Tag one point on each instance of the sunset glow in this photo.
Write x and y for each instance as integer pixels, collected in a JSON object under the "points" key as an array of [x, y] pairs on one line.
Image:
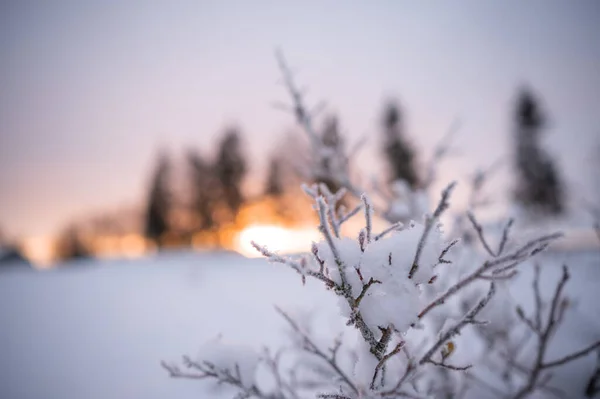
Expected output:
{"points": [[40, 250], [276, 238]]}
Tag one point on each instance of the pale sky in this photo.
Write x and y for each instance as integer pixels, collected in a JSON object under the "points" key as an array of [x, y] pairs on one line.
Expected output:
{"points": [[91, 90]]}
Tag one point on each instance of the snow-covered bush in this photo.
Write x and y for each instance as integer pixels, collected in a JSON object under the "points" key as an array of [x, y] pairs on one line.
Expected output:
{"points": [[414, 300]]}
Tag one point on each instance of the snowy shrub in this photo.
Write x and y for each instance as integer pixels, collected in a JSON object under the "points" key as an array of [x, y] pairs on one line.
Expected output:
{"points": [[415, 302]]}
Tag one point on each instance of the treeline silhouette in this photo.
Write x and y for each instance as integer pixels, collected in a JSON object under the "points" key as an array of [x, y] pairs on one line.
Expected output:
{"points": [[214, 196]]}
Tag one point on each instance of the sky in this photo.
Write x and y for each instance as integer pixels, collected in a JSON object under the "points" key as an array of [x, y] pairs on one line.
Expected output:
{"points": [[91, 91]]}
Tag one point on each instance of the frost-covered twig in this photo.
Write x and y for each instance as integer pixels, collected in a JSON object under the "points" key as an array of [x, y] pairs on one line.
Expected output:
{"points": [[305, 120], [441, 258], [324, 228], [382, 282], [450, 366], [545, 332], [368, 217], [378, 347], [480, 234], [430, 222], [299, 266], [364, 290], [207, 370], [504, 239], [311, 347], [394, 227], [593, 385], [384, 359], [476, 184], [284, 388], [454, 330], [334, 199], [479, 229], [572, 356], [512, 259], [410, 366]]}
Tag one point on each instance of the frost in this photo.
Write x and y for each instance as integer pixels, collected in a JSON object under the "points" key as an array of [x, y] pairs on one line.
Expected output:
{"points": [[415, 308], [391, 303], [226, 356], [393, 256], [393, 299], [350, 256]]}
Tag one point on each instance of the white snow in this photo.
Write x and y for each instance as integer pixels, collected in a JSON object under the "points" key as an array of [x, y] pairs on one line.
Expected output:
{"points": [[100, 329], [393, 299]]}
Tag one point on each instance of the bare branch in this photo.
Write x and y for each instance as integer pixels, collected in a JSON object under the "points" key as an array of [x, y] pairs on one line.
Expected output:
{"points": [[504, 239], [325, 230], [207, 370], [350, 214], [468, 319], [368, 216], [538, 298], [398, 226], [544, 335], [298, 267], [527, 321], [513, 258], [441, 258], [332, 200], [364, 290], [311, 347], [449, 366], [304, 119], [572, 356], [429, 224], [593, 385], [479, 231], [498, 277], [384, 359]]}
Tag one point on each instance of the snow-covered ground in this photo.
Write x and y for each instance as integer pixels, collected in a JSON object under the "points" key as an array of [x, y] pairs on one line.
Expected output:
{"points": [[100, 329]]}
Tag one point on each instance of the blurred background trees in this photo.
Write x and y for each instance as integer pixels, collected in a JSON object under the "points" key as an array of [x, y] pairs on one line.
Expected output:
{"points": [[212, 205], [230, 169], [204, 187], [71, 245], [398, 152], [159, 201], [275, 185], [539, 188]]}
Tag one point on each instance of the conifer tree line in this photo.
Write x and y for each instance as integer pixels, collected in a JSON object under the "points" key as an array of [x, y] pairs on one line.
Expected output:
{"points": [[538, 185], [216, 185]]}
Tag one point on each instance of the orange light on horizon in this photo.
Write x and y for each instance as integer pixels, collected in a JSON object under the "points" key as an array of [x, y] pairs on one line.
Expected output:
{"points": [[276, 238], [129, 245], [40, 250]]}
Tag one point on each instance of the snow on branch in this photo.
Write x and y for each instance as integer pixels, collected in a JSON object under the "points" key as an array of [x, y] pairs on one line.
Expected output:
{"points": [[387, 284], [380, 288]]}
